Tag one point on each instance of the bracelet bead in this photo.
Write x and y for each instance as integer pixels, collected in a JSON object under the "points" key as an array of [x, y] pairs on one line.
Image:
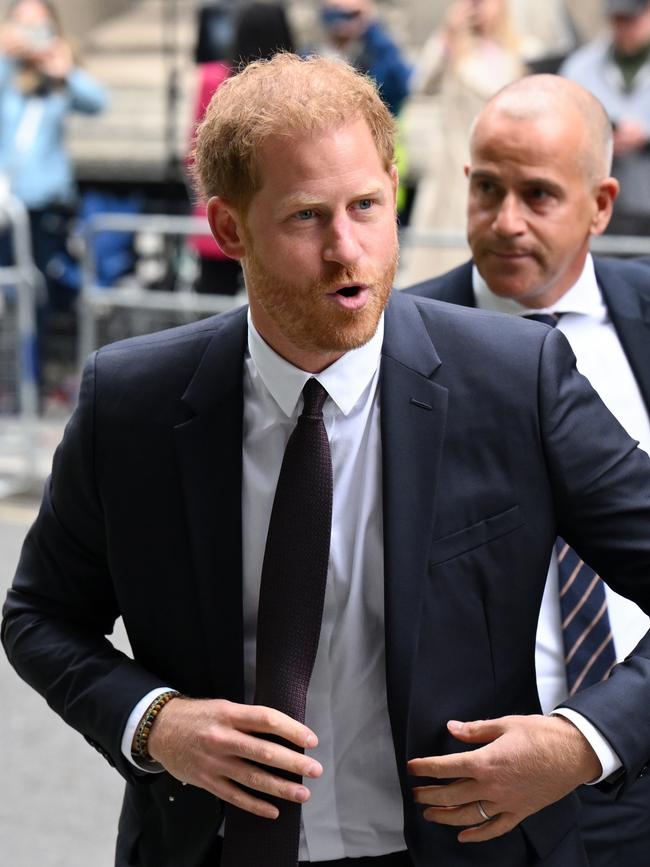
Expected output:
{"points": [[140, 748]]}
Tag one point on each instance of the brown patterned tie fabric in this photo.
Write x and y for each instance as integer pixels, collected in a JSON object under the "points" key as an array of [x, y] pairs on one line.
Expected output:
{"points": [[292, 592]]}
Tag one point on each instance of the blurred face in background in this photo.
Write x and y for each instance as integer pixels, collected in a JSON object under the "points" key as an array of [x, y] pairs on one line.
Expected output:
{"points": [[344, 20], [34, 23], [631, 33], [487, 15]]}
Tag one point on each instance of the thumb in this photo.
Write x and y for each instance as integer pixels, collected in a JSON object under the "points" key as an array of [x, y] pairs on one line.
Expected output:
{"points": [[476, 731]]}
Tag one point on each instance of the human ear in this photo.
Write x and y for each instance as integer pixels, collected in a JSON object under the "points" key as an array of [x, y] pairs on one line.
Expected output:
{"points": [[226, 226], [604, 197]]}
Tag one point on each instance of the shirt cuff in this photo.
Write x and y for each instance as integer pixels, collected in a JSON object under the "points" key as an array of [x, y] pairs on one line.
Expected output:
{"points": [[132, 724], [608, 759]]}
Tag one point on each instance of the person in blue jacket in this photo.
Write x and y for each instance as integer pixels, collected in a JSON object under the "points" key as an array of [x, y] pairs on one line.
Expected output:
{"points": [[354, 32], [40, 84]]}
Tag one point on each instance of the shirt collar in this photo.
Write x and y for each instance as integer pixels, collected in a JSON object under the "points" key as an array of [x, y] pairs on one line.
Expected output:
{"points": [[345, 380], [583, 297]]}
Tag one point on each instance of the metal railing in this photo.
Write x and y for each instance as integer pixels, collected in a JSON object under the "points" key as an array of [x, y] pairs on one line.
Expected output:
{"points": [[145, 309], [604, 245], [19, 285]]}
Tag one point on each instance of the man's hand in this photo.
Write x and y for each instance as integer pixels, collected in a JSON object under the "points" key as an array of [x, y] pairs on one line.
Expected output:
{"points": [[57, 59], [214, 744], [528, 763]]}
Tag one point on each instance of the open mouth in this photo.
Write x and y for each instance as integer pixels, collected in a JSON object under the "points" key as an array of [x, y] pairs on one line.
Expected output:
{"points": [[352, 297]]}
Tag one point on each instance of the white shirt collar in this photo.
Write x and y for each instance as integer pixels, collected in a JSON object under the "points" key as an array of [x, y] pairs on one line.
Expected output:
{"points": [[345, 380], [584, 297]]}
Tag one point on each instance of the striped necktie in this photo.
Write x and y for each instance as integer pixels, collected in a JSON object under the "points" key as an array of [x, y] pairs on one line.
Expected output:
{"points": [[589, 653], [588, 644]]}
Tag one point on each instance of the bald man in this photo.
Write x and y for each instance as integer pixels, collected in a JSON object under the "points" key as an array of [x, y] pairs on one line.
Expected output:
{"points": [[539, 188]]}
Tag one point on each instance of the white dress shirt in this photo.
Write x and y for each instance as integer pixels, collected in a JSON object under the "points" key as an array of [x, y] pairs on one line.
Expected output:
{"points": [[355, 808], [600, 357]]}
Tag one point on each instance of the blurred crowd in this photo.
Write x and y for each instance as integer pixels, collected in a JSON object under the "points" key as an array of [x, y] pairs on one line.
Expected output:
{"points": [[434, 89]]}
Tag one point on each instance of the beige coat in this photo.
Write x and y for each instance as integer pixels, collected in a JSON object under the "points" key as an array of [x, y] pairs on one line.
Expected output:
{"points": [[447, 98]]}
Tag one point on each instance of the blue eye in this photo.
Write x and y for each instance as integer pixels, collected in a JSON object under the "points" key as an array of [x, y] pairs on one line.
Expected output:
{"points": [[365, 204], [307, 214]]}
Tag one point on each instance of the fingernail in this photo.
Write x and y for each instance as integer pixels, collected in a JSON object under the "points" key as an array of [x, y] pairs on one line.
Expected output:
{"points": [[311, 741], [302, 794], [454, 726], [313, 770], [272, 813]]}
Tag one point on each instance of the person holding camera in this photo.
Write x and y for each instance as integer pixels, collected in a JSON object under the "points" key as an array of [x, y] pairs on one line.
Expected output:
{"points": [[353, 32], [40, 84]]}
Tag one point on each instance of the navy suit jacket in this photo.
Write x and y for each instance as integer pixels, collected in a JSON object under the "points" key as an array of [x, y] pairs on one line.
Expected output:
{"points": [[492, 443], [616, 831]]}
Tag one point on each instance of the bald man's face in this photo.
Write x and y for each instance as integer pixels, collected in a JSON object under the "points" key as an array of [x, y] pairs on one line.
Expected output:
{"points": [[531, 206]]}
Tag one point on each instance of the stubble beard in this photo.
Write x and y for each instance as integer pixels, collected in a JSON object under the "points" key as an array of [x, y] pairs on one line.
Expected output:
{"points": [[306, 318]]}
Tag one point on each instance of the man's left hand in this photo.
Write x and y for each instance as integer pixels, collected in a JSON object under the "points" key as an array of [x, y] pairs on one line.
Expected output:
{"points": [[528, 763]]}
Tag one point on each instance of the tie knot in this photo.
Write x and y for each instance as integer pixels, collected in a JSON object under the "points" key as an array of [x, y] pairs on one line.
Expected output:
{"points": [[314, 396], [551, 319]]}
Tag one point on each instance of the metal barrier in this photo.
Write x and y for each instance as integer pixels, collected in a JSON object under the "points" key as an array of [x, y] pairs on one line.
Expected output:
{"points": [[602, 245], [108, 314], [18, 377]]}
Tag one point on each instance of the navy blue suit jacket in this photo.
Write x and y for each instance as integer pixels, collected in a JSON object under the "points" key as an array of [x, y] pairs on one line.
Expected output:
{"points": [[615, 827], [492, 443]]}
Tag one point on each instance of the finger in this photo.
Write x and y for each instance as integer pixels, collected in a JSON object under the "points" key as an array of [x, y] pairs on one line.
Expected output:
{"points": [[477, 731], [267, 720], [447, 796], [260, 780], [452, 766], [466, 815], [276, 756], [500, 824], [232, 794]]}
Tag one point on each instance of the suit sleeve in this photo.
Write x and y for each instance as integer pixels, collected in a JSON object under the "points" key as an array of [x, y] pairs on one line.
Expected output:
{"points": [[62, 605], [601, 483]]}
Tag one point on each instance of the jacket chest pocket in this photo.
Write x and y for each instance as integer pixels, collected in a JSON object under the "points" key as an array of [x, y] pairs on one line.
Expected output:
{"points": [[472, 537]]}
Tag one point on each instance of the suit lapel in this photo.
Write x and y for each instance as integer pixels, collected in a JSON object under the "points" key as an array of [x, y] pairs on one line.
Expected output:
{"points": [[629, 308], [209, 447], [413, 414], [460, 289]]}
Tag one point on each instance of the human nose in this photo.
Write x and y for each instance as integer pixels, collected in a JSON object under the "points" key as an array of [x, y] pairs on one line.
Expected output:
{"points": [[341, 243], [508, 220]]}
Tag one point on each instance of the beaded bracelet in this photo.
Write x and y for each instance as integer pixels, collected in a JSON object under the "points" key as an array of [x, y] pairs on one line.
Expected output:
{"points": [[140, 739]]}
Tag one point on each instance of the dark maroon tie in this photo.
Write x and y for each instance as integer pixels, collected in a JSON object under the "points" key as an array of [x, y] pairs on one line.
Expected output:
{"points": [[292, 592]]}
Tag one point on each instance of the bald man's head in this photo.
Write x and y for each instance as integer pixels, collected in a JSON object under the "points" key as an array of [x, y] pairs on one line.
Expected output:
{"points": [[535, 98], [539, 187]]}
